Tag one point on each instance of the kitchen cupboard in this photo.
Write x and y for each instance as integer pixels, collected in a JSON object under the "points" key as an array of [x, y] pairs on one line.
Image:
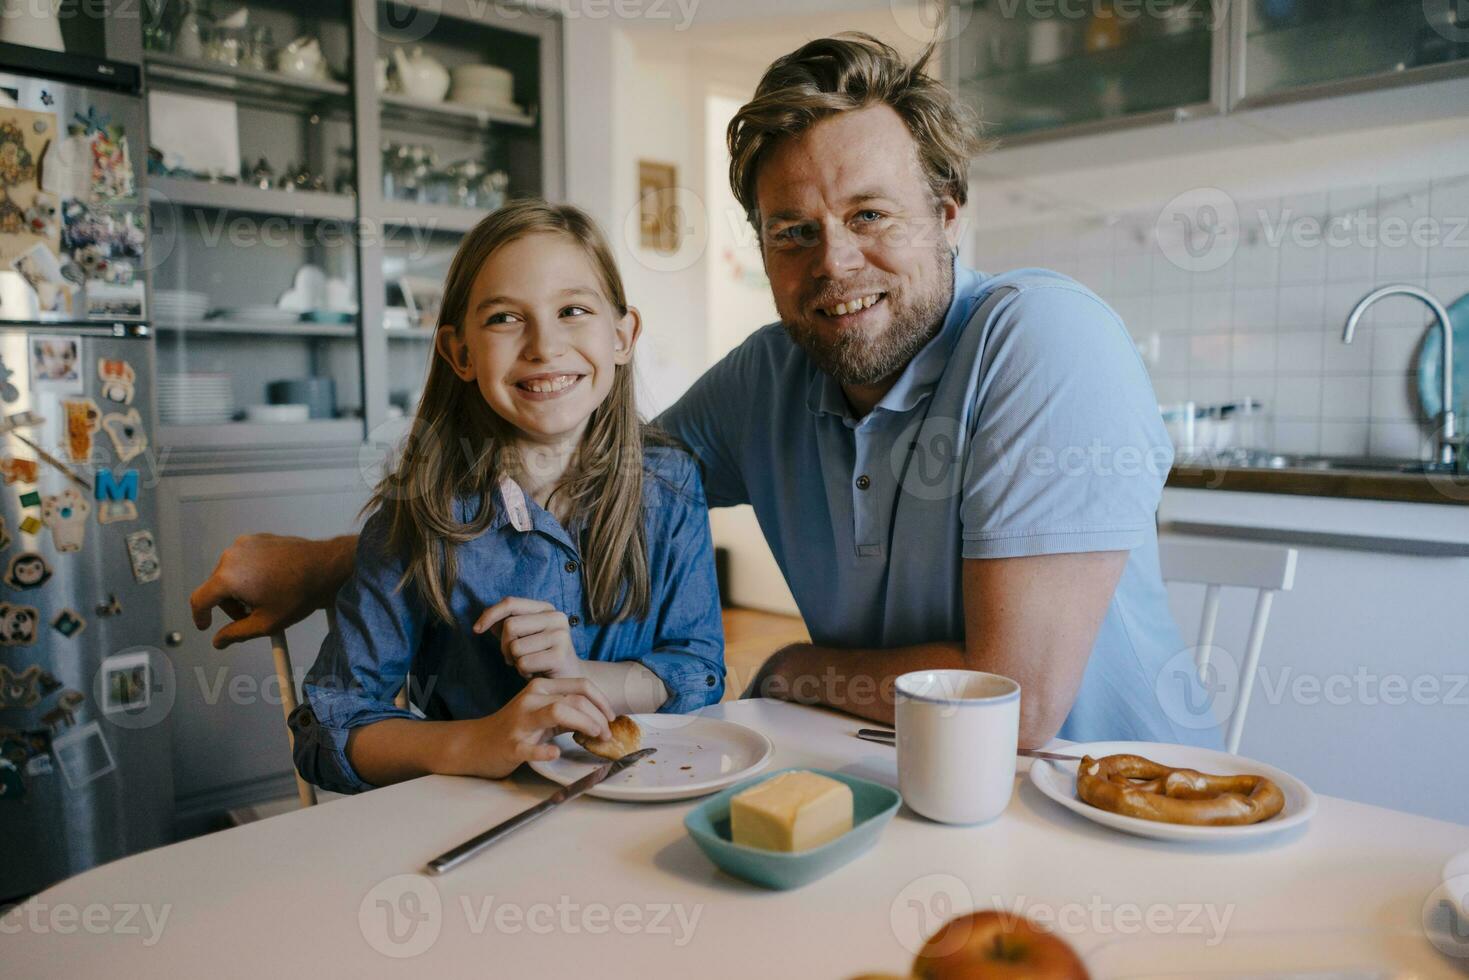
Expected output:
{"points": [[1043, 72]]}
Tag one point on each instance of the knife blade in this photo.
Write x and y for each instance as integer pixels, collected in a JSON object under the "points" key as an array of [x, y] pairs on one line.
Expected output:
{"points": [[451, 859]]}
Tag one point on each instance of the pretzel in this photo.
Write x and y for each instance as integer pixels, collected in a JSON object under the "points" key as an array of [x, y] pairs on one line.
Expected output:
{"points": [[1138, 787]]}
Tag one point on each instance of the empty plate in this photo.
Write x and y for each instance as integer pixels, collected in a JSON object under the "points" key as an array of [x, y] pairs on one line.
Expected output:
{"points": [[695, 756]]}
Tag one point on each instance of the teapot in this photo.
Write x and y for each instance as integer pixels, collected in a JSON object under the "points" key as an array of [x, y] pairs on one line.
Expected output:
{"points": [[421, 75], [301, 59]]}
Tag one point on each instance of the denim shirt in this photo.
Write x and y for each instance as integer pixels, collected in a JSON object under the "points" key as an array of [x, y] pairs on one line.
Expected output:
{"points": [[383, 632]]}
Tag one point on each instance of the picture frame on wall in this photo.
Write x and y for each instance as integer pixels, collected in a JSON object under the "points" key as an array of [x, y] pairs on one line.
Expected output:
{"points": [[657, 205]]}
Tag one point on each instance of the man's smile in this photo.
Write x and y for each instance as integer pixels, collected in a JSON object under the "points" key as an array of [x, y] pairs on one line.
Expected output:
{"points": [[847, 310]]}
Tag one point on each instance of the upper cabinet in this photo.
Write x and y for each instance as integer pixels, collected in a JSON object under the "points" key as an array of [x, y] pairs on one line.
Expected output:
{"points": [[1077, 67], [1046, 71], [1291, 49]]}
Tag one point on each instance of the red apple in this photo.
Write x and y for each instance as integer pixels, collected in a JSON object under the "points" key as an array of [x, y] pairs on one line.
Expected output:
{"points": [[993, 945]]}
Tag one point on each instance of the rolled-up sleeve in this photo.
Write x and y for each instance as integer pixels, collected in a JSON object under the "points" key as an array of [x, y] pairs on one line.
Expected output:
{"points": [[362, 665], [688, 640], [1070, 453]]}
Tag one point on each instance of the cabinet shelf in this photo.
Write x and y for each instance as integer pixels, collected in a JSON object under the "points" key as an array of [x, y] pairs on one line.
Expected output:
{"points": [[409, 334], [402, 112], [304, 328], [244, 197], [434, 217], [187, 74]]}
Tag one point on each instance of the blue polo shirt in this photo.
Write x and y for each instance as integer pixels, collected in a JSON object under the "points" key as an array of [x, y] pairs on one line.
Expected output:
{"points": [[1026, 426]]}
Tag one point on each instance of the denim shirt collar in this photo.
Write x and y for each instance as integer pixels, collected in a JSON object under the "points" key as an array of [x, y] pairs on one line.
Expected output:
{"points": [[918, 378], [522, 514]]}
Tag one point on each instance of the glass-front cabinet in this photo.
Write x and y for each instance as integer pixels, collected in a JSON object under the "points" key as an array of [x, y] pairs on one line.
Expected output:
{"points": [[1056, 69], [311, 169], [1300, 48], [1036, 68]]}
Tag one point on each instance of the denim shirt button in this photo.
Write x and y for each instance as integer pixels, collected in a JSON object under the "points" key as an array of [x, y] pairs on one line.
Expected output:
{"points": [[571, 567], [708, 680], [573, 620]]}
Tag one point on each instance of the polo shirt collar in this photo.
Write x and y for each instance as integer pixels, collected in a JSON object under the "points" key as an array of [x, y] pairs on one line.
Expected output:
{"points": [[917, 380]]}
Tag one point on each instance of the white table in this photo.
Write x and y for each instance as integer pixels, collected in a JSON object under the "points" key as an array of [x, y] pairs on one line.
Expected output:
{"points": [[597, 888]]}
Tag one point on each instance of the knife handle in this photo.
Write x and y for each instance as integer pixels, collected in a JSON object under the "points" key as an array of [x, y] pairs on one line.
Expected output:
{"points": [[451, 859]]}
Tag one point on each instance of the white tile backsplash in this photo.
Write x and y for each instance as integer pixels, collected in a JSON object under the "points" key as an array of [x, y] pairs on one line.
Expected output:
{"points": [[1346, 398], [1267, 324]]}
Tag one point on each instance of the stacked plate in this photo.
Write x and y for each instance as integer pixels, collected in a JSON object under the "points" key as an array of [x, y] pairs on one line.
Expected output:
{"points": [[195, 399], [261, 313], [178, 305]]}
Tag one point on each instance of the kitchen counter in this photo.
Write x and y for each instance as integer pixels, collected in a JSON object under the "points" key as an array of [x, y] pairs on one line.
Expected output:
{"points": [[1386, 484]]}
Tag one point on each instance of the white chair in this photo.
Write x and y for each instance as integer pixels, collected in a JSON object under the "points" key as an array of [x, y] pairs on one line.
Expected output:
{"points": [[1217, 564]]}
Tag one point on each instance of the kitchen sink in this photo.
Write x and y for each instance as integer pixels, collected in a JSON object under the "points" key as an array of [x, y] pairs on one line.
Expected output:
{"points": [[1346, 464]]}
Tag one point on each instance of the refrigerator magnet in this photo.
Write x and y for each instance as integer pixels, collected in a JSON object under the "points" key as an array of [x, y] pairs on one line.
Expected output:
{"points": [[116, 487], [110, 606], [18, 629], [69, 623], [31, 498], [143, 554], [39, 765], [31, 524], [64, 714], [65, 513], [18, 469], [49, 683], [82, 421], [4, 534], [56, 363], [12, 786], [83, 755], [22, 690], [117, 379], [125, 429], [127, 682], [27, 570], [9, 393], [114, 511], [21, 420]]}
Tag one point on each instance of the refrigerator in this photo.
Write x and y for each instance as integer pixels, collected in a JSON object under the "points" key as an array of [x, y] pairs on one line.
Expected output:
{"points": [[85, 695]]}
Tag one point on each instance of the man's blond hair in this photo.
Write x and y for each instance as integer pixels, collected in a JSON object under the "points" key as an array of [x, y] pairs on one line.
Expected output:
{"points": [[846, 72]]}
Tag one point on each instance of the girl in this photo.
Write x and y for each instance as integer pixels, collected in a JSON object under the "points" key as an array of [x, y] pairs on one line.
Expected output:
{"points": [[540, 561]]}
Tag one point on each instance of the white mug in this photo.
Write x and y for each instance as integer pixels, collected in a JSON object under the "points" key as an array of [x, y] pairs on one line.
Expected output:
{"points": [[957, 735]]}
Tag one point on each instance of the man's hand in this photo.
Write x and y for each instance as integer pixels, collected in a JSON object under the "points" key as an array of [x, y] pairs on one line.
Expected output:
{"points": [[534, 636], [266, 582]]}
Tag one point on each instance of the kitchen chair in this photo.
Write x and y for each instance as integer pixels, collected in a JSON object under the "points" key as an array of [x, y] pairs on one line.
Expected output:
{"points": [[284, 673], [1217, 564]]}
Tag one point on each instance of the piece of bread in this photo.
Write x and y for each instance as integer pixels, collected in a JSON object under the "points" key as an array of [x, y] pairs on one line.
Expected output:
{"points": [[626, 737]]}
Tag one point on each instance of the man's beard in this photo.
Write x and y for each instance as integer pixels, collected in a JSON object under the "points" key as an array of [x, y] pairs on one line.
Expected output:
{"points": [[853, 358]]}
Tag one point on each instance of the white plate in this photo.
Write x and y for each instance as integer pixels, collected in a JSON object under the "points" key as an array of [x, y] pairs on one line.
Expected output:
{"points": [[1058, 781], [695, 757]]}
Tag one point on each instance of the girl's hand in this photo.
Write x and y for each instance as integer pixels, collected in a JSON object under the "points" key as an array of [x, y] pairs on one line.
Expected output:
{"points": [[521, 731], [535, 637]]}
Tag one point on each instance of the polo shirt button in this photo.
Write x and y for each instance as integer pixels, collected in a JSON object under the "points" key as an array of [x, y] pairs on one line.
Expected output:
{"points": [[571, 566], [573, 619], [863, 482]]}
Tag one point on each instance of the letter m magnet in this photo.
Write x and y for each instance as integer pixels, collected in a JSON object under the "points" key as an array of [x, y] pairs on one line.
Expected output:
{"points": [[111, 487]]}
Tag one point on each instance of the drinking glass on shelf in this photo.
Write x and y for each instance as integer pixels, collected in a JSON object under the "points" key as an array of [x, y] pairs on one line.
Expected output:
{"points": [[257, 50]]}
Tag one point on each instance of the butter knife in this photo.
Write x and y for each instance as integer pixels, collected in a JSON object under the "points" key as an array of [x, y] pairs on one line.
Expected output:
{"points": [[882, 737], [450, 860]]}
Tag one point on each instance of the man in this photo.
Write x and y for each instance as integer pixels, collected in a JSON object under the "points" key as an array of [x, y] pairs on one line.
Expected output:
{"points": [[952, 470]]}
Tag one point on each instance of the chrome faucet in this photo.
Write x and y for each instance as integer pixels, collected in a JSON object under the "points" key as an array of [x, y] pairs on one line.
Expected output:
{"points": [[1448, 429]]}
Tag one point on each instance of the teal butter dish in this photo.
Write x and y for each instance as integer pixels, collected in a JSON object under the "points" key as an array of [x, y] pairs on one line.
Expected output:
{"points": [[873, 805]]}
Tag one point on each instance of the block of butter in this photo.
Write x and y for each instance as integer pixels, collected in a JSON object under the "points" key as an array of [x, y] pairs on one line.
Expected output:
{"points": [[794, 811]]}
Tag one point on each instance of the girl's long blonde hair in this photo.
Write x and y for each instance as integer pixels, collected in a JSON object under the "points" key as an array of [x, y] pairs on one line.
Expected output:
{"points": [[458, 448]]}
